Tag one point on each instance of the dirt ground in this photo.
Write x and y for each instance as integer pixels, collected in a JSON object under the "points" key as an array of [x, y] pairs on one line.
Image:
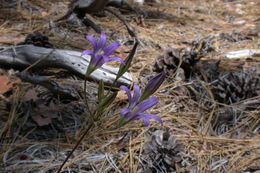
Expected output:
{"points": [[196, 135]]}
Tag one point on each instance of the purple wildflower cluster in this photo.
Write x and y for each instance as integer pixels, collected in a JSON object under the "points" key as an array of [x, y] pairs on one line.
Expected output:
{"points": [[101, 53], [139, 102]]}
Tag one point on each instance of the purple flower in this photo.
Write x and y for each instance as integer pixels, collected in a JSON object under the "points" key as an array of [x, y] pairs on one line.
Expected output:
{"points": [[101, 53], [135, 109], [153, 85]]}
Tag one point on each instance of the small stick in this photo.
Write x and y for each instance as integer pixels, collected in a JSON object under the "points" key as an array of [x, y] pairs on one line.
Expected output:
{"points": [[130, 29], [75, 147]]}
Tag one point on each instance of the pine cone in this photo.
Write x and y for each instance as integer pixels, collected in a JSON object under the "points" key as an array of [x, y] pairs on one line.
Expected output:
{"points": [[226, 118], [210, 70], [171, 60], [233, 87], [162, 152], [188, 57], [37, 39]]}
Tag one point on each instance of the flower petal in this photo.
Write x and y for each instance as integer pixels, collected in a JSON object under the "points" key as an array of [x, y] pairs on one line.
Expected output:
{"points": [[153, 85], [132, 116], [102, 59], [106, 58], [146, 122], [115, 58], [127, 114], [146, 117], [97, 61], [93, 41], [111, 48], [87, 52], [128, 93], [102, 42], [136, 96], [146, 104], [124, 112], [156, 82]]}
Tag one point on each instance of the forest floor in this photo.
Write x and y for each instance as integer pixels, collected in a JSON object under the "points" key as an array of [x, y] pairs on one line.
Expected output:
{"points": [[205, 129]]}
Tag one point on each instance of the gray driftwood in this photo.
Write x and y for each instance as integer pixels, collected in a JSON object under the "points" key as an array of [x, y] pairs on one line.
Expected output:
{"points": [[23, 56]]}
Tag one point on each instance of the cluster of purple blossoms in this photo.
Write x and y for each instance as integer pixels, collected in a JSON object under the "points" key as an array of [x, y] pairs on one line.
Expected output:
{"points": [[101, 53], [138, 102]]}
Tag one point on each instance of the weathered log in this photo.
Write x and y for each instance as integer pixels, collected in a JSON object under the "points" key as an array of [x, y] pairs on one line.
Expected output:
{"points": [[20, 57]]}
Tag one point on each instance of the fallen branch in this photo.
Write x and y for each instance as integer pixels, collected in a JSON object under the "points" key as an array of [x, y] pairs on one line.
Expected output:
{"points": [[23, 56], [55, 88]]}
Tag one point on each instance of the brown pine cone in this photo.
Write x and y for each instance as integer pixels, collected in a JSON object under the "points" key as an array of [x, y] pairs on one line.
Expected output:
{"points": [[37, 39], [233, 87], [162, 151], [183, 58]]}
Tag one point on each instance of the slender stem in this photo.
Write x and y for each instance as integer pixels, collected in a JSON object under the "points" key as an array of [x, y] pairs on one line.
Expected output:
{"points": [[85, 94], [130, 29], [75, 147], [85, 88], [110, 88]]}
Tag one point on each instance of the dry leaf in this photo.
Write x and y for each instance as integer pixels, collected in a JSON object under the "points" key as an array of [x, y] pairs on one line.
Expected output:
{"points": [[41, 121], [50, 111], [6, 84], [44, 114], [30, 95]]}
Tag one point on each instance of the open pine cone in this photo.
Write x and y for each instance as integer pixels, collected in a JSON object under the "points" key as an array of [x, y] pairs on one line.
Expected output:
{"points": [[171, 59], [162, 152], [185, 58], [233, 87], [37, 39]]}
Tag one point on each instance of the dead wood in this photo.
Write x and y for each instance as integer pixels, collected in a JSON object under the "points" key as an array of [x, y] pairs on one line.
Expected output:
{"points": [[56, 89], [20, 57]]}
